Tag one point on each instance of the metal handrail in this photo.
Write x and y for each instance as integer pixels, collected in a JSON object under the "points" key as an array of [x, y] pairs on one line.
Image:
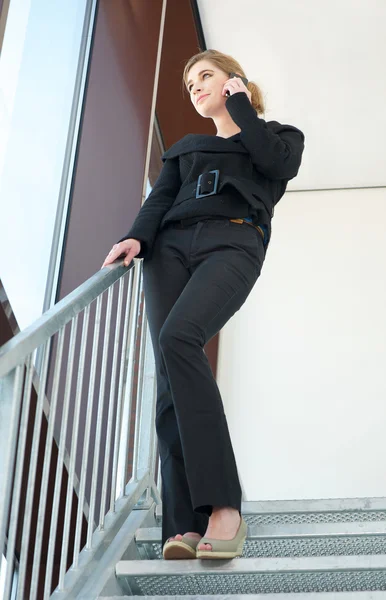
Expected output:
{"points": [[60, 314], [18, 378]]}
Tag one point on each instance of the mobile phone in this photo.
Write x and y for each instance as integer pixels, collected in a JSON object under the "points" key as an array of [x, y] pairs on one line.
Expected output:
{"points": [[243, 79]]}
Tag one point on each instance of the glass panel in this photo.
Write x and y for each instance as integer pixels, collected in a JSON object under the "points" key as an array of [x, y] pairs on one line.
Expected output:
{"points": [[38, 69]]}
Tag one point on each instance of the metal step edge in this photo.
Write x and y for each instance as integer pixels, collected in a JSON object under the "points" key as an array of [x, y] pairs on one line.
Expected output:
{"points": [[278, 596], [304, 506], [240, 566], [153, 535]]}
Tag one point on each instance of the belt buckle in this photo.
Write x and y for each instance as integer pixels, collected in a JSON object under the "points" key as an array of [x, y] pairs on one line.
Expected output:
{"points": [[217, 175]]}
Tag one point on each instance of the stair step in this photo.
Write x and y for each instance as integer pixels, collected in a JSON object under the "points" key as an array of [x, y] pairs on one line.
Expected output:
{"points": [[318, 539], [335, 510], [253, 575], [301, 596]]}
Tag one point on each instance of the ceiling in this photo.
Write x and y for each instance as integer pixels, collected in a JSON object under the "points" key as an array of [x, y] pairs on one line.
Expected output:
{"points": [[321, 67]]}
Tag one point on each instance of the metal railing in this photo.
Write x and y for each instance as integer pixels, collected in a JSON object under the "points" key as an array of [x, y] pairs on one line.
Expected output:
{"points": [[86, 418]]}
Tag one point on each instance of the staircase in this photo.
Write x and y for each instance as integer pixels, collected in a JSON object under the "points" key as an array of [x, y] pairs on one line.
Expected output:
{"points": [[105, 542], [310, 549]]}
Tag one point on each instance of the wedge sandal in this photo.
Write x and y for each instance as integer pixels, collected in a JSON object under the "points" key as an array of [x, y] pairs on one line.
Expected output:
{"points": [[180, 549], [224, 548]]}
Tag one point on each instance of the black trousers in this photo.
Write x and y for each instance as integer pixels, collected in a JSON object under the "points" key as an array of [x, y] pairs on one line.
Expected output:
{"points": [[195, 280]]}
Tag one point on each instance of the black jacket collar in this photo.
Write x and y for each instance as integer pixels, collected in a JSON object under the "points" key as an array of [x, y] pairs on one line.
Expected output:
{"points": [[200, 142], [194, 142]]}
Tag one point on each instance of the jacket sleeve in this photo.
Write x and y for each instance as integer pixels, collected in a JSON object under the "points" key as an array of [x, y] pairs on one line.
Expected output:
{"points": [[275, 155], [156, 205]]}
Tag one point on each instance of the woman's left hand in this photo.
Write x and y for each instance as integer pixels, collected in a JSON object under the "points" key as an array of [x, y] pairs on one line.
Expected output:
{"points": [[234, 85]]}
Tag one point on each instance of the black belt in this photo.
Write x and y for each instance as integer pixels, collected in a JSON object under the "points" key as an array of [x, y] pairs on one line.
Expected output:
{"points": [[182, 223]]}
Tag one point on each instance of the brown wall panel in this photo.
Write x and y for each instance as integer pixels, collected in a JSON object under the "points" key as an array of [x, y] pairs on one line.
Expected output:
{"points": [[109, 176], [175, 112]]}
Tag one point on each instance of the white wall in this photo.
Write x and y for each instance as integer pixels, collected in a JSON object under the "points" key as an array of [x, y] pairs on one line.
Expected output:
{"points": [[302, 364]]}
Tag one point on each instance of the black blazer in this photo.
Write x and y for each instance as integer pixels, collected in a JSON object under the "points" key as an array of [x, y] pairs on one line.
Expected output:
{"points": [[254, 166]]}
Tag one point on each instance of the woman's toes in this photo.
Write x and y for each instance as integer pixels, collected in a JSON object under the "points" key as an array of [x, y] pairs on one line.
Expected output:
{"points": [[176, 538], [205, 547]]}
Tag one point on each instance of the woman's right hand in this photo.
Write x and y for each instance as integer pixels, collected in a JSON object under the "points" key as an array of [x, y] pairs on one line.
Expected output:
{"points": [[128, 248]]}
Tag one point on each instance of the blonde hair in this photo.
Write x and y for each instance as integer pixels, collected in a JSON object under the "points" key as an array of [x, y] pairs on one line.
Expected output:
{"points": [[229, 65]]}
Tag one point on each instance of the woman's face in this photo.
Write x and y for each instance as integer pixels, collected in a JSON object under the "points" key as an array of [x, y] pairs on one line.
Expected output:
{"points": [[205, 79]]}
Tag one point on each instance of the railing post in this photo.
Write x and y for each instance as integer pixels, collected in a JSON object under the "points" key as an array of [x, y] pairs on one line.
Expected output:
{"points": [[144, 430], [10, 403], [124, 437]]}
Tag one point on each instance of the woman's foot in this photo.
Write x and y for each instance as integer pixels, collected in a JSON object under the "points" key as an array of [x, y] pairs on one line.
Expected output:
{"points": [[223, 525], [181, 547]]}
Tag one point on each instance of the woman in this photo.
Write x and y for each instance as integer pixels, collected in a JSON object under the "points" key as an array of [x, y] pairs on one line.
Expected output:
{"points": [[203, 233]]}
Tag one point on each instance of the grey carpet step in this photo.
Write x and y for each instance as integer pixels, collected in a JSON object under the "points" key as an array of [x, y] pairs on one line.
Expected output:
{"points": [[253, 576], [319, 539], [302, 596], [335, 510]]}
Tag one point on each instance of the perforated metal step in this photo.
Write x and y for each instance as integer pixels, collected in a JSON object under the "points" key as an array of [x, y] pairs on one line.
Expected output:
{"points": [[317, 596], [320, 539], [335, 510], [253, 576]]}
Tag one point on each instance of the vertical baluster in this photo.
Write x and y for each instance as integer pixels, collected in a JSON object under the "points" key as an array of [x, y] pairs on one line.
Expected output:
{"points": [[59, 466], [122, 373], [145, 427], [153, 440], [159, 479], [46, 471], [86, 441], [128, 384], [112, 404], [20, 459], [101, 403], [33, 463], [74, 443], [11, 387], [139, 416]]}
